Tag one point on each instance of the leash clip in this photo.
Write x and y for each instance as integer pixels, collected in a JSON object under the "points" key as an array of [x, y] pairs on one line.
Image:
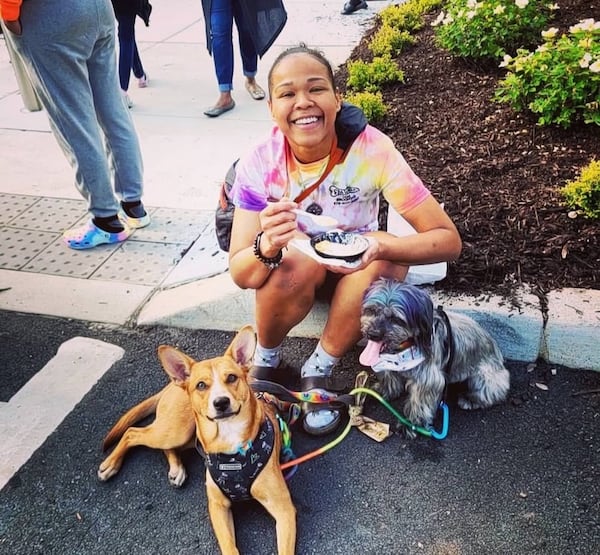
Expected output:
{"points": [[445, 418]]}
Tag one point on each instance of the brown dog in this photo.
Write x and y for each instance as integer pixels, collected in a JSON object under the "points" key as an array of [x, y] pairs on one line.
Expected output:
{"points": [[234, 428]]}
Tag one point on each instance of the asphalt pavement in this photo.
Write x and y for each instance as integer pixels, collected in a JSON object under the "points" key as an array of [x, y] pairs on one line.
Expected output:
{"points": [[522, 477], [79, 331]]}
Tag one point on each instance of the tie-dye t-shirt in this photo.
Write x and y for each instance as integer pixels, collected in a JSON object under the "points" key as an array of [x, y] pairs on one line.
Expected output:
{"points": [[350, 193]]}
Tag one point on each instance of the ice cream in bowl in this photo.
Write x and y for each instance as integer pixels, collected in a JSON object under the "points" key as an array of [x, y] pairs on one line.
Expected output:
{"points": [[338, 244]]}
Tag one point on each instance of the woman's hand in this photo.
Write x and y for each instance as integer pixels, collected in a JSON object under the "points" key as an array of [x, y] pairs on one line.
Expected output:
{"points": [[371, 254], [278, 223]]}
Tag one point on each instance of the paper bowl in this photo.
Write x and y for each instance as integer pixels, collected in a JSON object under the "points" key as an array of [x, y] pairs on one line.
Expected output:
{"points": [[340, 244]]}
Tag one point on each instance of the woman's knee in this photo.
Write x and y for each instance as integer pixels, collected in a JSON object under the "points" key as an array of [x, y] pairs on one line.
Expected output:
{"points": [[385, 268], [356, 283], [295, 274], [296, 277]]}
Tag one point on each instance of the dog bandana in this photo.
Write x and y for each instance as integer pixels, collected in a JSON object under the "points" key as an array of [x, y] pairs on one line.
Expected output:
{"points": [[396, 362], [235, 473]]}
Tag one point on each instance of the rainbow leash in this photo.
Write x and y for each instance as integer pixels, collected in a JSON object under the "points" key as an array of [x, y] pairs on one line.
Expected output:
{"points": [[283, 399]]}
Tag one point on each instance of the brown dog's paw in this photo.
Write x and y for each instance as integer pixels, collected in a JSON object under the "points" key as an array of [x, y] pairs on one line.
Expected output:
{"points": [[107, 471], [177, 477]]}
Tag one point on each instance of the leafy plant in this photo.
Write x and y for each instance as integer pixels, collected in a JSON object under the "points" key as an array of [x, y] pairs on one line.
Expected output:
{"points": [[404, 17], [398, 22], [491, 28], [370, 103], [369, 76], [408, 15], [390, 41], [560, 81], [584, 193]]}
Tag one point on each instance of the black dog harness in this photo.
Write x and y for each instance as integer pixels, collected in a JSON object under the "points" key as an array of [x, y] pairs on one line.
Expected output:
{"points": [[450, 341], [235, 473]]}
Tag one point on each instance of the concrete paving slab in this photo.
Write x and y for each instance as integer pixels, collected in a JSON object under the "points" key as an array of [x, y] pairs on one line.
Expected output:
{"points": [[516, 324], [66, 297], [17, 117], [204, 259], [572, 333]]}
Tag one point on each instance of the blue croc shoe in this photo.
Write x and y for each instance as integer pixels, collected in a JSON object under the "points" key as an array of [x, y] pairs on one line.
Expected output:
{"points": [[90, 236], [134, 215]]}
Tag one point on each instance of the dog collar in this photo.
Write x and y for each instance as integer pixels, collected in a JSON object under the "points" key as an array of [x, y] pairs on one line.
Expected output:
{"points": [[235, 473], [399, 362]]}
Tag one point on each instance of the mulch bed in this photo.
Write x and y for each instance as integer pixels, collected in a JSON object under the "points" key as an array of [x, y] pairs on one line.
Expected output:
{"points": [[496, 171]]}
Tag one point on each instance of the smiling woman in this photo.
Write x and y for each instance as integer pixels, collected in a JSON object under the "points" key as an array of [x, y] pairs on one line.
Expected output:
{"points": [[319, 138]]}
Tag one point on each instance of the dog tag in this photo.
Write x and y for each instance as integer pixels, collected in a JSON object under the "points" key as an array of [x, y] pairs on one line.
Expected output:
{"points": [[231, 467]]}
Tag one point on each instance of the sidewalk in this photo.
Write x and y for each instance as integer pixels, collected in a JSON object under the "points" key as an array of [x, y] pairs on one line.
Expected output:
{"points": [[173, 273]]}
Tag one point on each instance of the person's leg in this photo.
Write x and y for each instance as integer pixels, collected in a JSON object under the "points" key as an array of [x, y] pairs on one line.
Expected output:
{"points": [[287, 297], [60, 75], [345, 308], [248, 53], [341, 333], [284, 301], [121, 138], [221, 25], [136, 65], [126, 33], [138, 68]]}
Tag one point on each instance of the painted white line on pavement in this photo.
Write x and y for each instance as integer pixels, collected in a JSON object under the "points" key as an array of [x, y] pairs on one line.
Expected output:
{"points": [[36, 410]]}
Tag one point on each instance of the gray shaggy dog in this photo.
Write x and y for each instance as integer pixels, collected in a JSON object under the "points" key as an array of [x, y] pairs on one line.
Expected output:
{"points": [[412, 346]]}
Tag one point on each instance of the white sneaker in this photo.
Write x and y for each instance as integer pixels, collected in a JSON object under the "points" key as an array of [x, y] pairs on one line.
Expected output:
{"points": [[128, 102], [143, 81]]}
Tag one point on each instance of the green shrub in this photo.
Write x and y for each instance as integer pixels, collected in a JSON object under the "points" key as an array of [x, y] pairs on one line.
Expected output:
{"points": [[369, 76], [584, 193], [408, 15], [404, 17], [370, 103], [560, 81], [390, 41], [491, 28]]}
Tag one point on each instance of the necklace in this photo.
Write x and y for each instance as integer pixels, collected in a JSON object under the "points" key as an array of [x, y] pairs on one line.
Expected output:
{"points": [[309, 173]]}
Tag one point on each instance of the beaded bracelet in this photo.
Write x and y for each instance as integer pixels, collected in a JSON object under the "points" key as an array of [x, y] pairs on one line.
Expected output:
{"points": [[270, 263]]}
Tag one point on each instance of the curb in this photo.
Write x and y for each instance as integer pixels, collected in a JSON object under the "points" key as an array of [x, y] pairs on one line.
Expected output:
{"points": [[565, 333]]}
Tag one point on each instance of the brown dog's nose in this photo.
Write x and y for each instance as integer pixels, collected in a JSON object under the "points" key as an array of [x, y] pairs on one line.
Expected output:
{"points": [[221, 403]]}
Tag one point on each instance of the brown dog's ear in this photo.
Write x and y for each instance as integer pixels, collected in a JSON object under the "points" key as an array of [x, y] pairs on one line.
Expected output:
{"points": [[242, 347], [176, 364]]}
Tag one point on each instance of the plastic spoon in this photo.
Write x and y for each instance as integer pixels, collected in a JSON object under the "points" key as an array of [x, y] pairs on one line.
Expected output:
{"points": [[315, 223]]}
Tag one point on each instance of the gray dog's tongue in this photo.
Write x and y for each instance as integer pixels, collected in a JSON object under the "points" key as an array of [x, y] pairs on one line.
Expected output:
{"points": [[370, 354]]}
